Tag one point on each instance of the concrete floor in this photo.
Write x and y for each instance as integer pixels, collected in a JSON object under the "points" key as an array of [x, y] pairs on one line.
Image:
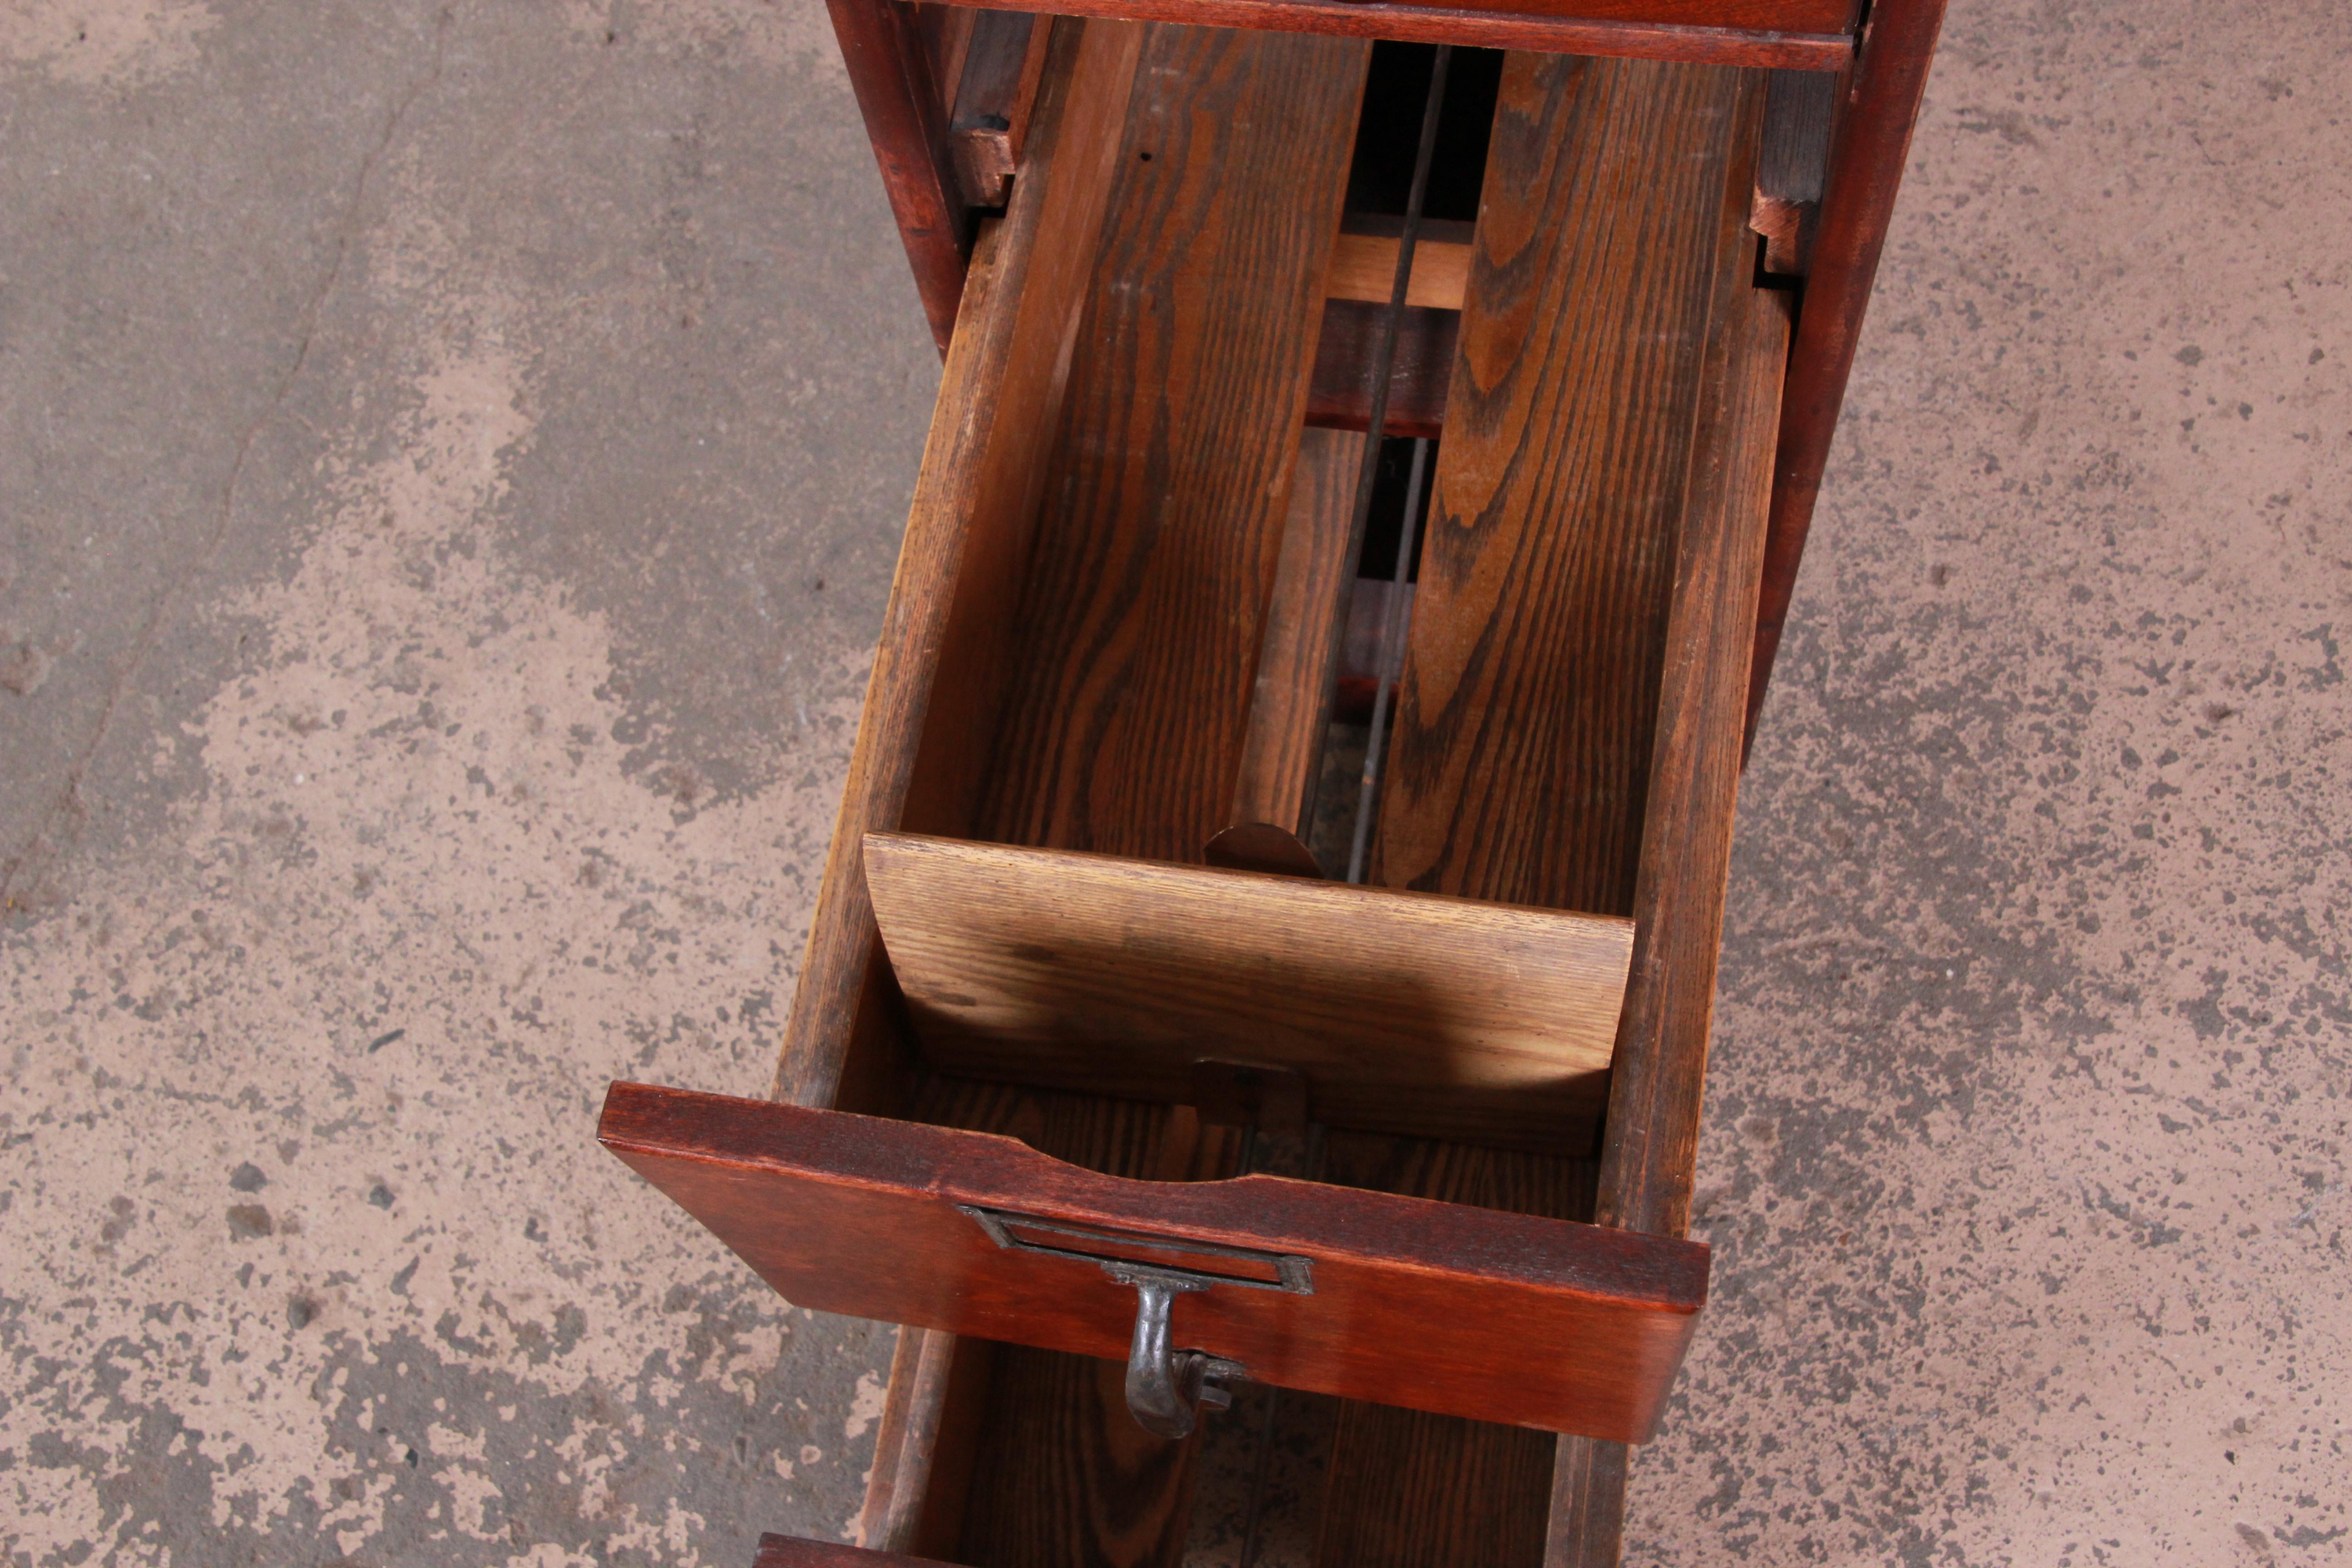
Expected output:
{"points": [[451, 458]]}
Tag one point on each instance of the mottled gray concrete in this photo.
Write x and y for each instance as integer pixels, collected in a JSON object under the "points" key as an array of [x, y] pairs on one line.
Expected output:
{"points": [[2027, 1129], [450, 461], [451, 466]]}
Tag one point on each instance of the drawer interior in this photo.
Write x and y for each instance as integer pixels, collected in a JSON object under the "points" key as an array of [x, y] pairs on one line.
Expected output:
{"points": [[1119, 649]]}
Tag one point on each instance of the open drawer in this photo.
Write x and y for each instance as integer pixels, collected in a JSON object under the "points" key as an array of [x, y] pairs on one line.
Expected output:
{"points": [[1501, 1317], [1111, 654]]}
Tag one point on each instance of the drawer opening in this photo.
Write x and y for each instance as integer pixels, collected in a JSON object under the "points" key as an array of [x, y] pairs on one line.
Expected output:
{"points": [[1120, 629]]}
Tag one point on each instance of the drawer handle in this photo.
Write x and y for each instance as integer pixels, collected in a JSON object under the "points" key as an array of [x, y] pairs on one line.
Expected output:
{"points": [[1165, 1388]]}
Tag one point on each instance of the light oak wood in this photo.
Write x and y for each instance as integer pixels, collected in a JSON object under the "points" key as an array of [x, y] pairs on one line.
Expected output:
{"points": [[944, 633], [1408, 1013], [1364, 267]]}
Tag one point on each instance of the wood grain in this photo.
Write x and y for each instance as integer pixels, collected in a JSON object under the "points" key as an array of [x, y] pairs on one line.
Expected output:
{"points": [[905, 1439], [1800, 110], [1282, 752], [1100, 1506], [1649, 1155], [1364, 267], [1586, 1527], [924, 1442], [1340, 397], [1521, 757], [1405, 1012], [1630, 29], [1548, 1323], [1054, 1469], [1449, 1490], [1652, 1149], [1578, 393], [945, 34], [1420, 1492], [1068, 1477], [1163, 518], [967, 531]]}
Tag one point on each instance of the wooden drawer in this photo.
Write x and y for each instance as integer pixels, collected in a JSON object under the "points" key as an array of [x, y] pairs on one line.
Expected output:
{"points": [[1501, 1317], [1111, 644]]}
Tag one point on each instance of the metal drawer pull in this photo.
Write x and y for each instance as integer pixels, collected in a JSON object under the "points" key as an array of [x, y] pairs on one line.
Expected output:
{"points": [[1165, 1388]]}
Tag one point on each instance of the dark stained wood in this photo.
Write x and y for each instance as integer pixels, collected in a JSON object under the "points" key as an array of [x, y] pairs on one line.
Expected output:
{"points": [[945, 34], [794, 1552], [1551, 1186], [945, 632], [1415, 1490], [1339, 395], [1052, 1462], [923, 1445], [1002, 69], [1075, 1480], [1581, 383], [1586, 1527], [1795, 35], [1800, 109], [1162, 520], [890, 73], [1262, 846], [1453, 1491], [1522, 743], [1549, 1323], [1588, 1480], [1873, 139], [1406, 1012], [1282, 752], [1097, 1511]]}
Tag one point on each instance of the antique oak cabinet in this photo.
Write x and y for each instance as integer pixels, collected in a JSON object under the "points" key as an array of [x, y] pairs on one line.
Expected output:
{"points": [[1267, 946]]}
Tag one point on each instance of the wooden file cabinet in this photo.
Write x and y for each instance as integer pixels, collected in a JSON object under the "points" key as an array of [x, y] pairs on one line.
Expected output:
{"points": [[1010, 1081]]}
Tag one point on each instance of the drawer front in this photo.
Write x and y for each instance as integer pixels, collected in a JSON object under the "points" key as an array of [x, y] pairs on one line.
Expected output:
{"points": [[1455, 1311]]}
